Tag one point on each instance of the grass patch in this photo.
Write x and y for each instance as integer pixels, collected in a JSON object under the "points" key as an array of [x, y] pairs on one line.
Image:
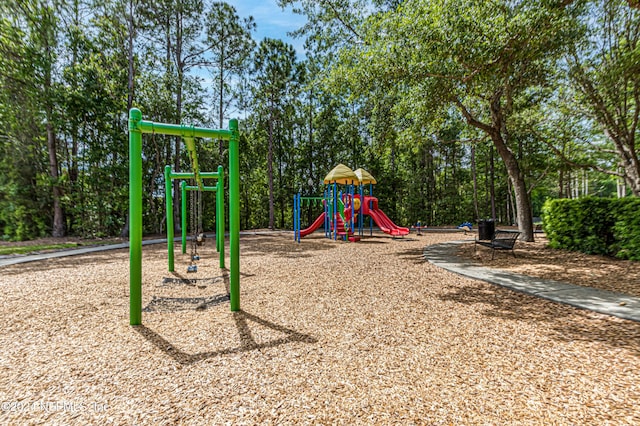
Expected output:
{"points": [[31, 249]]}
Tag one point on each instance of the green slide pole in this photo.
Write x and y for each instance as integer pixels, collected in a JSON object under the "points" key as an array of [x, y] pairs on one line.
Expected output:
{"points": [[234, 214], [183, 190], [169, 202], [220, 216], [135, 218]]}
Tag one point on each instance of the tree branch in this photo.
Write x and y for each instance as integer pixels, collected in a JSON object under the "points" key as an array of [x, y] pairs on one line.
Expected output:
{"points": [[472, 120], [538, 181], [578, 165], [342, 21]]}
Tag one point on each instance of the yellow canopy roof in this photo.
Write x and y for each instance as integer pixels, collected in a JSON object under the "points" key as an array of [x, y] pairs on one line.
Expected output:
{"points": [[342, 175], [365, 177]]}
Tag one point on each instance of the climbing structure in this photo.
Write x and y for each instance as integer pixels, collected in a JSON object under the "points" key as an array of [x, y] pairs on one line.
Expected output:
{"points": [[344, 209]]}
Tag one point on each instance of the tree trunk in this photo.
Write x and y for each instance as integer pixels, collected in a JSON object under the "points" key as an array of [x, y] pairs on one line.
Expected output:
{"points": [[523, 204], [270, 170], [58, 216], [124, 233], [180, 71], [492, 184], [221, 105], [310, 211], [281, 184], [474, 177], [631, 166]]}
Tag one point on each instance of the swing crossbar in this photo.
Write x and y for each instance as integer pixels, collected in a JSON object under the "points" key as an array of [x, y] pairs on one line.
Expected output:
{"points": [[189, 175], [145, 126], [188, 133], [204, 188]]}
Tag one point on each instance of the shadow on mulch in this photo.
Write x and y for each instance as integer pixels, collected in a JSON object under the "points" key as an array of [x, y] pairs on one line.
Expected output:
{"points": [[405, 239], [247, 342], [415, 255], [367, 240], [285, 248], [176, 304], [503, 303]]}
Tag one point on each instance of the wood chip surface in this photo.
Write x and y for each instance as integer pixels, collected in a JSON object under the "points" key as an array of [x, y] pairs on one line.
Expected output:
{"points": [[330, 333]]}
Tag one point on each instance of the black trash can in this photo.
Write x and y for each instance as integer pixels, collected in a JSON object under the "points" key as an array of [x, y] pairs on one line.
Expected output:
{"points": [[486, 229]]}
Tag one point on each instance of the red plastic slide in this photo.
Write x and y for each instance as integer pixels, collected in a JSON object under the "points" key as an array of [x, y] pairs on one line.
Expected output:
{"points": [[315, 225], [385, 224]]}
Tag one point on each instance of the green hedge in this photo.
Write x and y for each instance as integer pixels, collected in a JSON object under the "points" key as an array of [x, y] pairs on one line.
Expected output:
{"points": [[627, 228], [594, 225]]}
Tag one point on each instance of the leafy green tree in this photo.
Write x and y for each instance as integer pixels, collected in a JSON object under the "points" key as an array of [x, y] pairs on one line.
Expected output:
{"points": [[36, 80], [331, 24], [275, 71], [231, 45], [179, 29], [479, 58], [24, 188], [605, 71]]}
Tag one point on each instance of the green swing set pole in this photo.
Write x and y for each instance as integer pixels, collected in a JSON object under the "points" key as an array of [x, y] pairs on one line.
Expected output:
{"points": [[183, 211], [169, 207], [135, 218], [234, 214], [220, 216]]}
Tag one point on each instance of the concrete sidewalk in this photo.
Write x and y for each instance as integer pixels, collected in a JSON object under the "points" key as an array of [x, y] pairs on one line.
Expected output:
{"points": [[14, 260], [602, 301]]}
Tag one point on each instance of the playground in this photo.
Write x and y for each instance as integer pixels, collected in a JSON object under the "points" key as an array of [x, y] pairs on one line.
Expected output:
{"points": [[329, 332], [345, 210]]}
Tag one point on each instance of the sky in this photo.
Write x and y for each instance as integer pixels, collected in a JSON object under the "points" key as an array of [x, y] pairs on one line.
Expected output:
{"points": [[272, 21]]}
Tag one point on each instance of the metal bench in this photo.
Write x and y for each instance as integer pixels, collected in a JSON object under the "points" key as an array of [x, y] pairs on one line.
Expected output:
{"points": [[502, 240]]}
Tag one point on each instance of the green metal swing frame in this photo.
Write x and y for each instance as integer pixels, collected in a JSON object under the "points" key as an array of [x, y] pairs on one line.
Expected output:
{"points": [[138, 126]]}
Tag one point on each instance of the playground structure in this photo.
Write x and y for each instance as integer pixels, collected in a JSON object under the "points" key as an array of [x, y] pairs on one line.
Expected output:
{"points": [[344, 210], [138, 126]]}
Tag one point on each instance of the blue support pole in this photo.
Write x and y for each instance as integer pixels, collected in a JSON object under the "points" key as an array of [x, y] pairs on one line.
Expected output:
{"points": [[299, 215], [296, 218]]}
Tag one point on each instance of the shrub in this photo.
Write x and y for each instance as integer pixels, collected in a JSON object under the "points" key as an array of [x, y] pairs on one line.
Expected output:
{"points": [[594, 225], [626, 230]]}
